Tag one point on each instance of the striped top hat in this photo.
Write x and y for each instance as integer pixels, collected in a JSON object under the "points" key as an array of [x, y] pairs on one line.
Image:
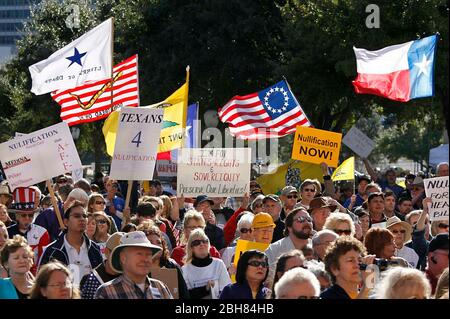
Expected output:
{"points": [[24, 199]]}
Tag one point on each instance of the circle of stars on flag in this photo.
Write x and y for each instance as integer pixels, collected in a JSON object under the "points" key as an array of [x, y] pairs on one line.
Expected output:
{"points": [[285, 97]]}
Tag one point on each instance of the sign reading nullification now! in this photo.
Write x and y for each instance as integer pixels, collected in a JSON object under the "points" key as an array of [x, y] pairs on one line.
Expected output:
{"points": [[215, 172], [316, 146]]}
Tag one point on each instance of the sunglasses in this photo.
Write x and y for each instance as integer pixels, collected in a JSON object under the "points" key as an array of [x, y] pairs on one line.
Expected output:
{"points": [[100, 202], [302, 219], [309, 190], [245, 230], [198, 242], [402, 231], [26, 215], [342, 231], [101, 221], [442, 225], [256, 263], [292, 196]]}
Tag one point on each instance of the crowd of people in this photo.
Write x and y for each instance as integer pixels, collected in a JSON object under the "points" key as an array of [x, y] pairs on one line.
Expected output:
{"points": [[376, 242]]}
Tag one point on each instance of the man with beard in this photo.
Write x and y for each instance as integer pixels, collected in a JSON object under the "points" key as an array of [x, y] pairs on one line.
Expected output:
{"points": [[297, 232]]}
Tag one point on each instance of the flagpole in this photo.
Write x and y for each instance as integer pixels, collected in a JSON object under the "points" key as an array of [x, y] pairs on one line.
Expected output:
{"points": [[293, 95], [55, 205], [112, 64], [185, 107]]}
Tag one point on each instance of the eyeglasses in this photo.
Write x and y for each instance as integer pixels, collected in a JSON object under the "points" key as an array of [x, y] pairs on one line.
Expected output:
{"points": [[245, 230], [312, 190], [78, 216], [198, 242], [395, 231], [101, 221], [256, 263], [100, 202], [442, 225], [292, 196], [61, 285], [26, 215], [342, 231], [302, 219], [308, 297]]}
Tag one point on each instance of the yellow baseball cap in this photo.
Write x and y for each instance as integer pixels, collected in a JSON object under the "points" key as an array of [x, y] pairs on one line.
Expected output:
{"points": [[262, 220]]}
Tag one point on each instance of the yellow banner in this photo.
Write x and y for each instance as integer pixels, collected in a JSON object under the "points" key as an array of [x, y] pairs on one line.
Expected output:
{"points": [[316, 146], [345, 171]]}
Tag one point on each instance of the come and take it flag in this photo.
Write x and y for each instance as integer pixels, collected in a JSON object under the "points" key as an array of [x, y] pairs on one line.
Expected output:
{"points": [[272, 112], [174, 122], [92, 101], [88, 58], [345, 171], [399, 72], [292, 173]]}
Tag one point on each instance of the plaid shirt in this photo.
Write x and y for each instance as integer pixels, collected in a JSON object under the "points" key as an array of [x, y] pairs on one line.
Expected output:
{"points": [[123, 288]]}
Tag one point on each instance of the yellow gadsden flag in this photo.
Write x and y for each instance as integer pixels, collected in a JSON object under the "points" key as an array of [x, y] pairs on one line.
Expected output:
{"points": [[174, 123], [292, 173], [345, 171]]}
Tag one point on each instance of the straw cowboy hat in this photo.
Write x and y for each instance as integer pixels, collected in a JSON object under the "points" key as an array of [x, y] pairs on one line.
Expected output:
{"points": [[132, 239], [394, 221]]}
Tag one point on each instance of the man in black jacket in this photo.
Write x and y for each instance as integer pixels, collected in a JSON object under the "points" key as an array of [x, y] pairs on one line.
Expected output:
{"points": [[73, 248]]}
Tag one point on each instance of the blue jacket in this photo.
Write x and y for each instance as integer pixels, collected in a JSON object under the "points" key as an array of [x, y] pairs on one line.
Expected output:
{"points": [[49, 221], [7, 289], [242, 291], [57, 250], [420, 246]]}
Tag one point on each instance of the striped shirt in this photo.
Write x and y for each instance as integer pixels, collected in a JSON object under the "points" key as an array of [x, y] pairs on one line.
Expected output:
{"points": [[124, 288]]}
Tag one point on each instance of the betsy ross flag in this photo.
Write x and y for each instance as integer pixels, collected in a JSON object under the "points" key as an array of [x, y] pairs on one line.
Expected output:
{"points": [[92, 101], [399, 72], [272, 112]]}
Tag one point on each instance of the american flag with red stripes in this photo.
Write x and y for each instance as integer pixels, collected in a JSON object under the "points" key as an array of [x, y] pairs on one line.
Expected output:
{"points": [[272, 112], [92, 101]]}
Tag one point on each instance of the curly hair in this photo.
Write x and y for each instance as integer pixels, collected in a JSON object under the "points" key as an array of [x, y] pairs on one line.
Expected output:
{"points": [[335, 218], [13, 245], [340, 247]]}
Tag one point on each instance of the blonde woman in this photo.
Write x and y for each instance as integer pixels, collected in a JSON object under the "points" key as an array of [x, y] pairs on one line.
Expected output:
{"points": [[97, 203], [340, 223], [403, 283], [192, 220], [17, 259], [205, 276], [54, 281]]}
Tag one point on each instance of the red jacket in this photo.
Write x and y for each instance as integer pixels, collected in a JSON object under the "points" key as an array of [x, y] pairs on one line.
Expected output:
{"points": [[229, 230]]}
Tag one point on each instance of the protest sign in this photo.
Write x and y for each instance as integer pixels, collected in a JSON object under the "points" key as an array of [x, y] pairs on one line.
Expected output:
{"points": [[316, 146], [358, 142], [169, 276], [437, 189], [166, 168], [32, 158], [136, 143], [215, 172]]}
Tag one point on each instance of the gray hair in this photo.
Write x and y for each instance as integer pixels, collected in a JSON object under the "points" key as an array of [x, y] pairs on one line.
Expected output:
{"points": [[317, 238], [246, 218], [257, 200], [397, 278], [293, 277], [79, 194], [335, 218]]}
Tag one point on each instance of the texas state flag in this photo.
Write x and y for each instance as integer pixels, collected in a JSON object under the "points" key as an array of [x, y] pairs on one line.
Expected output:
{"points": [[399, 72]]}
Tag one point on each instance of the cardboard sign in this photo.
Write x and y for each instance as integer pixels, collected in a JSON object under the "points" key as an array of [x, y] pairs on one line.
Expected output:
{"points": [[136, 143], [437, 189], [216, 172], [32, 158], [169, 276], [358, 142], [316, 146], [166, 168]]}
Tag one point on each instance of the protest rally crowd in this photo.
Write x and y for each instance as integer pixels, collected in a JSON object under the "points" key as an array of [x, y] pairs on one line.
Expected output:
{"points": [[321, 243]]}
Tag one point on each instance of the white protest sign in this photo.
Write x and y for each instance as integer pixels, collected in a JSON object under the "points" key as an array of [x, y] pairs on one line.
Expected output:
{"points": [[39, 156], [136, 143], [437, 189], [166, 168], [358, 142], [215, 172]]}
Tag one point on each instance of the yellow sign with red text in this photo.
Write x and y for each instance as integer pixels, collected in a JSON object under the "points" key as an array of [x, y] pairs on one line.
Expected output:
{"points": [[316, 146]]}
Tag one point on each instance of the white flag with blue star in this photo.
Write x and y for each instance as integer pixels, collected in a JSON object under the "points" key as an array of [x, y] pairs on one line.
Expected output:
{"points": [[88, 58]]}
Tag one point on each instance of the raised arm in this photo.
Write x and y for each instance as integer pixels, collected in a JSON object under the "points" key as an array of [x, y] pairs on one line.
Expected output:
{"points": [[370, 170]]}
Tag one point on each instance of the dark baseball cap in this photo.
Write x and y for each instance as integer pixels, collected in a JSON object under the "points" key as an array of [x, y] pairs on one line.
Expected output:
{"points": [[203, 198], [439, 242]]}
